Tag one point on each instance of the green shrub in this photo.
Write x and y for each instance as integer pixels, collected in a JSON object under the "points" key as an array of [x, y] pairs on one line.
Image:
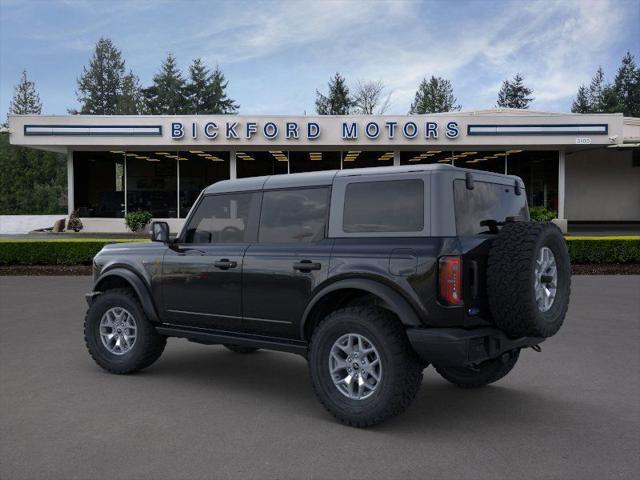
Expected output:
{"points": [[137, 220], [542, 214], [604, 249], [78, 251]]}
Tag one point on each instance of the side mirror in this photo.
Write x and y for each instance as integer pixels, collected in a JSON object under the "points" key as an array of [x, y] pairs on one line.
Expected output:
{"points": [[160, 232]]}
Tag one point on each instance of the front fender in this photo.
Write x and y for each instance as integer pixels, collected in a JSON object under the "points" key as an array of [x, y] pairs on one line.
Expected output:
{"points": [[137, 284], [398, 304]]}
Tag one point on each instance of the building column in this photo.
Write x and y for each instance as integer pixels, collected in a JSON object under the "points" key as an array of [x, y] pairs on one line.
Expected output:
{"points": [[396, 158], [233, 173], [561, 221], [70, 183]]}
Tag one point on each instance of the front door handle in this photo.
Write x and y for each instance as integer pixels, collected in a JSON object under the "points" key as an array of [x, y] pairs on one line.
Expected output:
{"points": [[306, 266], [225, 264]]}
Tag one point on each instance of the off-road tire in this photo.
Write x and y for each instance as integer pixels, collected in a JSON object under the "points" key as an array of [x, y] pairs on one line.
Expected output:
{"points": [[510, 279], [402, 370], [240, 348], [148, 346], [487, 372]]}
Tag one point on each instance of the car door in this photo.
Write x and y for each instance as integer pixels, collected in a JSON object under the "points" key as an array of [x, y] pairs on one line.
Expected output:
{"points": [[202, 271], [290, 258]]}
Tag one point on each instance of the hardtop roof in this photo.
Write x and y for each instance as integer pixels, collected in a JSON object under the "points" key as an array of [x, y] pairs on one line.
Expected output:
{"points": [[326, 177]]}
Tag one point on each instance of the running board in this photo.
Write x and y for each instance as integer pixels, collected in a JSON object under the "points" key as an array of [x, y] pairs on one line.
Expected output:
{"points": [[212, 337]]}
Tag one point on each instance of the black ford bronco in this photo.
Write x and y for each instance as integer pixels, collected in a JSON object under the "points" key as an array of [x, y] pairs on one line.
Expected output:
{"points": [[371, 274]]}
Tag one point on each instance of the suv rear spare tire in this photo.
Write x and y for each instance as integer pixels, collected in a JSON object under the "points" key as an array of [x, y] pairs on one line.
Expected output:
{"points": [[529, 279]]}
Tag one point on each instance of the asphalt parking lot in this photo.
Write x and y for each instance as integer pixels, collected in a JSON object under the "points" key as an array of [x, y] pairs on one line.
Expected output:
{"points": [[572, 411]]}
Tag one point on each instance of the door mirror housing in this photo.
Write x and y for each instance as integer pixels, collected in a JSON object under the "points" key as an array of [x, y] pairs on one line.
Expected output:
{"points": [[160, 232]]}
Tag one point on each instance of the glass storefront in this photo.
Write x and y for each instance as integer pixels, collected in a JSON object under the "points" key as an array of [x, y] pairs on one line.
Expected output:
{"points": [[538, 169], [99, 184], [367, 158], [167, 183], [259, 163]]}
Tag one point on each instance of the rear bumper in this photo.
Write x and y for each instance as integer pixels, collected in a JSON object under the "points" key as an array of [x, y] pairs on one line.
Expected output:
{"points": [[457, 347]]}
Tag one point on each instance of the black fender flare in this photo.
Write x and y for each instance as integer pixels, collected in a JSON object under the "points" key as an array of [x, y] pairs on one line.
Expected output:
{"points": [[138, 285], [397, 303]]}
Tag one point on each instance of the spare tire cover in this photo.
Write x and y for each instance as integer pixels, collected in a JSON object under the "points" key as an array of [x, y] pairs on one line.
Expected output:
{"points": [[529, 279]]}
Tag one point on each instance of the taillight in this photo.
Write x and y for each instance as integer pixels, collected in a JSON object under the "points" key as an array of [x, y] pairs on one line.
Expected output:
{"points": [[450, 280]]}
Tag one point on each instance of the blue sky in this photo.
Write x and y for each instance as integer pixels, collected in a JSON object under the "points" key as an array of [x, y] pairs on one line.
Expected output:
{"points": [[275, 54]]}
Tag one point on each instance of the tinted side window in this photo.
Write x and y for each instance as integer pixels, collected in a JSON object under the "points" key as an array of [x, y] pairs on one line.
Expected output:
{"points": [[391, 206], [223, 219], [294, 215], [487, 201]]}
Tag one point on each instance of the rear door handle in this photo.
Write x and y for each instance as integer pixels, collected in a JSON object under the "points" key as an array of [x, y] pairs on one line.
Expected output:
{"points": [[225, 264], [306, 266]]}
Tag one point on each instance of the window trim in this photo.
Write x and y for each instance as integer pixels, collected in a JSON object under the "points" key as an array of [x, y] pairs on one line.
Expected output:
{"points": [[336, 220], [251, 226], [325, 233]]}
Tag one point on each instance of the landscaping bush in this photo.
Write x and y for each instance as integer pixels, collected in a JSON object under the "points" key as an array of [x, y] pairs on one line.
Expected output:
{"points": [[52, 252], [604, 249], [137, 220], [541, 214], [80, 251]]}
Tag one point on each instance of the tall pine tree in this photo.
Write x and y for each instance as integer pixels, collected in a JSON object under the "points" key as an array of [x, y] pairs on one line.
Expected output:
{"points": [[627, 86], [338, 100], [25, 99], [514, 94], [582, 102], [167, 94], [100, 85], [31, 181], [130, 101], [433, 96], [206, 92]]}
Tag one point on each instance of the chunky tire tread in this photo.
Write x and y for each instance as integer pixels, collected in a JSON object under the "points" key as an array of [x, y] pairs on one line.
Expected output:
{"points": [[240, 348], [149, 343], [486, 373], [403, 387], [510, 277]]}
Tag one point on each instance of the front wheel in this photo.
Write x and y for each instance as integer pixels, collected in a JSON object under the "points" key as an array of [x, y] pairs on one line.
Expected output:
{"points": [[118, 334], [487, 372], [362, 366]]}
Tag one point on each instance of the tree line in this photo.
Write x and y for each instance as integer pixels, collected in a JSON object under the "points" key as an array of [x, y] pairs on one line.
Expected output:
{"points": [[33, 181]]}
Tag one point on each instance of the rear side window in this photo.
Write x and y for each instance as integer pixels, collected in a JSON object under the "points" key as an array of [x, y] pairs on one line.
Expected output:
{"points": [[487, 201], [293, 216], [389, 206]]}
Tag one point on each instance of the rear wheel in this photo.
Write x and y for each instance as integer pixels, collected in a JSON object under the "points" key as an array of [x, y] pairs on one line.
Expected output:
{"points": [[362, 367], [118, 334], [240, 348], [487, 372]]}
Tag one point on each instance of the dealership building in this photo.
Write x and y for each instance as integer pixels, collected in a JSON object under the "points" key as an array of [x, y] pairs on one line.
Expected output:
{"points": [[584, 167]]}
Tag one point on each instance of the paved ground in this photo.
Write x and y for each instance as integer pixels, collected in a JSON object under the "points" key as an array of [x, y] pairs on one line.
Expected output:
{"points": [[203, 412]]}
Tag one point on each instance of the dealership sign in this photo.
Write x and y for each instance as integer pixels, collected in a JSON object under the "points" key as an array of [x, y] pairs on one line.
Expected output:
{"points": [[293, 130]]}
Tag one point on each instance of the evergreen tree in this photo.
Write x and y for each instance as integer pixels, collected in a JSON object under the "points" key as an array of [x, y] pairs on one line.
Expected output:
{"points": [[25, 99], [338, 101], [100, 85], [206, 92], [218, 100], [627, 86], [130, 101], [434, 95], [581, 104], [514, 94], [596, 91], [167, 95]]}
